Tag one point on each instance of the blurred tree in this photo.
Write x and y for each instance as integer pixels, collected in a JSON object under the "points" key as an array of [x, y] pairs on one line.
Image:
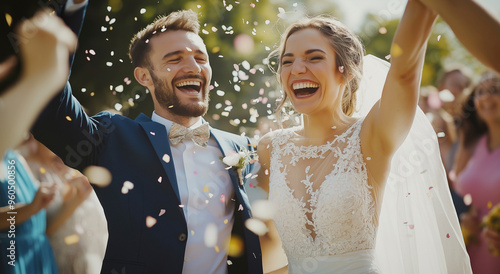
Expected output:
{"points": [[378, 38], [238, 35]]}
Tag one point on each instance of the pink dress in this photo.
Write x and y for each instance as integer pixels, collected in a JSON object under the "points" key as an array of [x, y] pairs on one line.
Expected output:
{"points": [[481, 179]]}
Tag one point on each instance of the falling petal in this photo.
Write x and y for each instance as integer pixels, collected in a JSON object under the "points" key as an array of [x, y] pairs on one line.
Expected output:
{"points": [[396, 50], [71, 239], [467, 199], [256, 226], [166, 158], [150, 221], [210, 238], [263, 209], [98, 176]]}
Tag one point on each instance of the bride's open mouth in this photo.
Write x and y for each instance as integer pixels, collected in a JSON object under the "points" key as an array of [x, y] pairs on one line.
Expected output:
{"points": [[304, 89], [191, 87]]}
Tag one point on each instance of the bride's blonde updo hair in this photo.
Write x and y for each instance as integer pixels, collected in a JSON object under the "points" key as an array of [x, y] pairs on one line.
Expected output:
{"points": [[349, 52]]}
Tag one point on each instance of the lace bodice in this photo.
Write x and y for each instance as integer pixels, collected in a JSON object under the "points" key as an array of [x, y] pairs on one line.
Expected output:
{"points": [[322, 194]]}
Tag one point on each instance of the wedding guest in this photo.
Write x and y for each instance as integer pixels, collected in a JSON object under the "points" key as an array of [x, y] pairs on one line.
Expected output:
{"points": [[44, 56], [327, 177], [76, 225], [169, 187], [477, 165]]}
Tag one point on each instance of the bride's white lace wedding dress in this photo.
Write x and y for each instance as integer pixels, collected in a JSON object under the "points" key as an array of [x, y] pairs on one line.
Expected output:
{"points": [[330, 217], [325, 203]]}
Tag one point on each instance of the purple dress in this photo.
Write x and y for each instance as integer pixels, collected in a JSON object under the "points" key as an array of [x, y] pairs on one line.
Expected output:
{"points": [[481, 179]]}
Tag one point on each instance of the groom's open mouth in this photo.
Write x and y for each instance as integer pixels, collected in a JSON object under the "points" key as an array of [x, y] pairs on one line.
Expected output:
{"points": [[191, 86], [304, 89]]}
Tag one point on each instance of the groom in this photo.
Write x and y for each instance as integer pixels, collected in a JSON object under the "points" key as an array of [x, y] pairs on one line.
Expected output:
{"points": [[172, 205]]}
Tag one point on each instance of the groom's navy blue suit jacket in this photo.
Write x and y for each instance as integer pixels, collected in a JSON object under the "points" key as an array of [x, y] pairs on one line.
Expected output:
{"points": [[133, 150]]}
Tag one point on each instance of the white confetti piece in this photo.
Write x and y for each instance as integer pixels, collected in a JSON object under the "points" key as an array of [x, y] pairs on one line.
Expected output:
{"points": [[127, 185], [256, 226], [98, 176], [263, 210], [210, 237], [166, 158], [160, 179], [142, 11], [150, 221], [162, 211]]}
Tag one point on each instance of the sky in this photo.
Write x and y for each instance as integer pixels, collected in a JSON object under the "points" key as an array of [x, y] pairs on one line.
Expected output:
{"points": [[355, 10]]}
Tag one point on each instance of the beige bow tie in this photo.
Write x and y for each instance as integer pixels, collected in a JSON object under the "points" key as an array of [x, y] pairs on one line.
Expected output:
{"points": [[199, 135]]}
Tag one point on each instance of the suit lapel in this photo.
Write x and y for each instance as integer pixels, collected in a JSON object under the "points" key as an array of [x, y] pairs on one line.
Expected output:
{"points": [[158, 137]]}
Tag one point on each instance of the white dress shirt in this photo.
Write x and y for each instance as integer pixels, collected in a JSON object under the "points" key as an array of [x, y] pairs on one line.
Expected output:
{"points": [[206, 194]]}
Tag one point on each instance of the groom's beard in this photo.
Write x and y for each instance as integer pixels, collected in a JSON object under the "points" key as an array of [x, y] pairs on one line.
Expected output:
{"points": [[166, 97]]}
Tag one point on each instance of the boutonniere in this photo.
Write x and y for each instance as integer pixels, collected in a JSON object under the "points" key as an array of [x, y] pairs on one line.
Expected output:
{"points": [[239, 160]]}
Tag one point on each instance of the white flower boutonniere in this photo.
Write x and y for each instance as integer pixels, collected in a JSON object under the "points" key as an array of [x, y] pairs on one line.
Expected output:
{"points": [[239, 160]]}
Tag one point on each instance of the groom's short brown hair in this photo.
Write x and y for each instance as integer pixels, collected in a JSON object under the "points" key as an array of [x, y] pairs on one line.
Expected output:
{"points": [[186, 20]]}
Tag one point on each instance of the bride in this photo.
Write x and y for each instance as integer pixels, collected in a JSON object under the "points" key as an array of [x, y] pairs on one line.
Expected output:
{"points": [[329, 177]]}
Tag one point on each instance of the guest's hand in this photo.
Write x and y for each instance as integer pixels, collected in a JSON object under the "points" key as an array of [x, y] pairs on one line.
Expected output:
{"points": [[493, 239], [79, 189], [43, 197], [45, 43]]}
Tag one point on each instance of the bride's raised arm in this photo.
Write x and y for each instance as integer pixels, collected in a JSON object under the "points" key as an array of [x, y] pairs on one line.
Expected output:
{"points": [[391, 118]]}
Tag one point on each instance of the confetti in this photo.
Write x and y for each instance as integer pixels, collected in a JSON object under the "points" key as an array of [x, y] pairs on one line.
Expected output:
{"points": [[210, 237], [166, 158], [162, 211], [160, 179], [396, 50], [447, 235], [240, 208], [439, 37], [152, 133], [236, 246], [71, 239], [119, 88], [467, 199], [256, 226], [142, 11], [263, 209], [98, 176], [222, 198], [127, 185], [150, 221], [68, 118], [206, 188]]}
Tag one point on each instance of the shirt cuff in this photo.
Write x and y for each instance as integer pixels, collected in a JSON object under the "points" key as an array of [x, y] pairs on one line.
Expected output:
{"points": [[71, 7]]}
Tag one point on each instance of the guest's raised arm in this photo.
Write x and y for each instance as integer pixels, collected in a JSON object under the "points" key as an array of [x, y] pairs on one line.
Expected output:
{"points": [[476, 29]]}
